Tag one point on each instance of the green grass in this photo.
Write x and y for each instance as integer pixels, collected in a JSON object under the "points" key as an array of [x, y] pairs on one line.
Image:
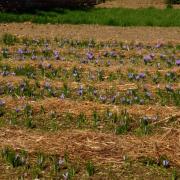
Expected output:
{"points": [[113, 16]]}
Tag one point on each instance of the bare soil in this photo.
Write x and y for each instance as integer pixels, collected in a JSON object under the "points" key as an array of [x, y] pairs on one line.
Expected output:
{"points": [[100, 33], [135, 4]]}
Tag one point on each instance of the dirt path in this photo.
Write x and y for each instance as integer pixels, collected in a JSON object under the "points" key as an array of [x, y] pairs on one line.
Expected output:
{"points": [[100, 33], [135, 4], [100, 147]]}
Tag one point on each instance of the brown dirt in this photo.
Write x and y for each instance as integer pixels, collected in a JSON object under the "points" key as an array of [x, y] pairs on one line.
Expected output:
{"points": [[87, 107], [135, 4], [99, 147], [100, 33]]}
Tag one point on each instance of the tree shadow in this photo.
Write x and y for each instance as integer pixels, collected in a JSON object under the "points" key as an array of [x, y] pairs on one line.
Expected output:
{"points": [[20, 7]]}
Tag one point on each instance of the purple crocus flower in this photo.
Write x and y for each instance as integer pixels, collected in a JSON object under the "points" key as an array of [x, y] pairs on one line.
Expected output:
{"points": [[113, 99], [159, 65], [17, 110], [147, 59], [5, 73], [66, 176], [95, 92], [169, 87], [113, 54], [102, 98], [33, 57], [49, 66], [178, 62], [80, 91], [165, 163], [20, 51], [10, 87], [90, 56], [2, 103], [56, 55], [137, 77], [130, 75], [109, 63], [61, 162], [141, 101], [62, 96], [142, 75], [75, 72], [13, 74]]}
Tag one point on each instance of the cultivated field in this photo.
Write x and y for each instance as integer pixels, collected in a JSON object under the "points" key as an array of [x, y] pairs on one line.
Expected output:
{"points": [[89, 102], [91, 93]]}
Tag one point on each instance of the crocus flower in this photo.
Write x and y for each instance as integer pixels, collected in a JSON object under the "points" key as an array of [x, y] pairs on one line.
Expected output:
{"points": [[130, 75], [102, 98], [110, 114], [5, 73], [113, 99], [159, 65], [148, 58], [169, 88], [148, 95], [90, 55], [80, 91], [17, 110], [95, 92], [75, 72], [20, 51], [34, 57], [49, 66], [56, 55], [142, 75], [113, 54], [178, 62], [109, 63], [137, 77], [62, 96], [141, 101], [13, 74], [2, 103], [165, 163], [145, 120], [66, 175], [105, 54], [61, 161]]}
